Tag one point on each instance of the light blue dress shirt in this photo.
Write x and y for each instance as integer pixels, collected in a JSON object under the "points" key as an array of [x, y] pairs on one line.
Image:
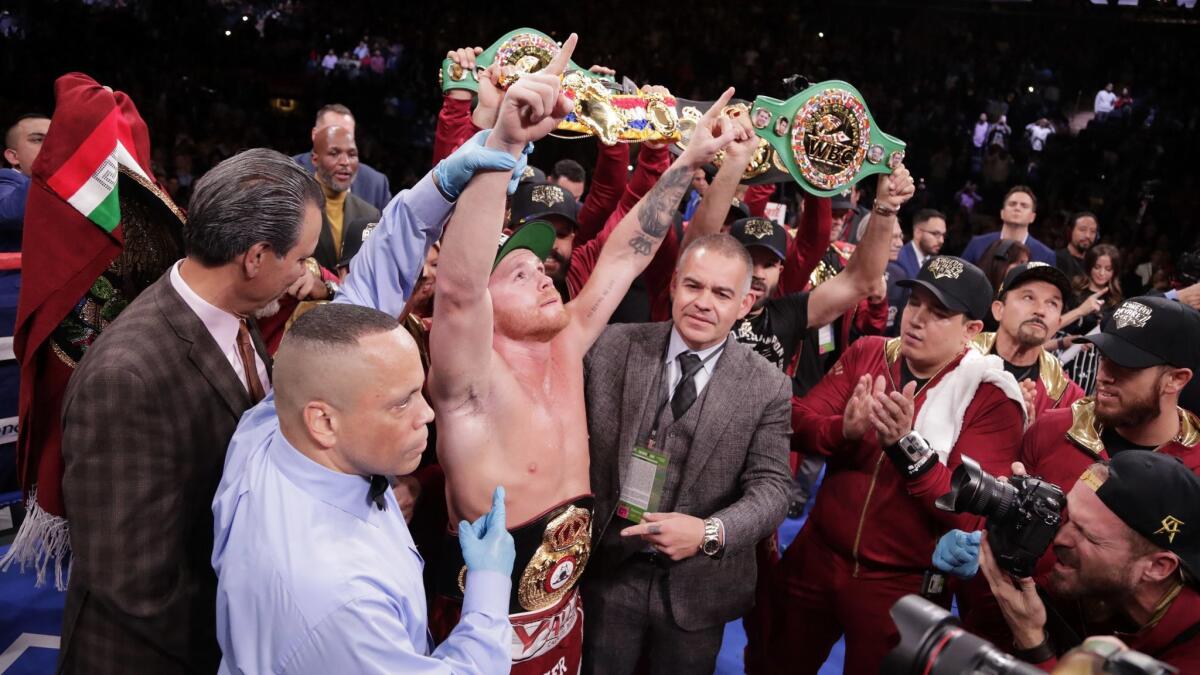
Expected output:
{"points": [[312, 577]]}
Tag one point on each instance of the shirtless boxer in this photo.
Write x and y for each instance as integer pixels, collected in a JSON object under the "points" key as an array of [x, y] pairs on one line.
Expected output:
{"points": [[506, 378]]}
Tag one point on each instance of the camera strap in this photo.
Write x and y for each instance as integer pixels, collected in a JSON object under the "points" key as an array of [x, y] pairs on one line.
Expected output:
{"points": [[1191, 632]]}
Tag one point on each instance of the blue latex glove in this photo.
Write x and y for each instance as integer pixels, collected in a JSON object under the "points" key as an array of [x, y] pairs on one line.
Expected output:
{"points": [[454, 172], [486, 545], [957, 553]]}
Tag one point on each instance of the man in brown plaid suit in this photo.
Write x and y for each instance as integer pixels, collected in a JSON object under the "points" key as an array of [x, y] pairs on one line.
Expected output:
{"points": [[150, 410]]}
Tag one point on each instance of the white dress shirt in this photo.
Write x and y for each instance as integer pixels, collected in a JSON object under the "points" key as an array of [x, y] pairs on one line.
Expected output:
{"points": [[676, 347], [222, 326]]}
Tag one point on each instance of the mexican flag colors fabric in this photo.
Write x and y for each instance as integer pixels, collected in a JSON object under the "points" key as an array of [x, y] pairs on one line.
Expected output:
{"points": [[88, 179]]}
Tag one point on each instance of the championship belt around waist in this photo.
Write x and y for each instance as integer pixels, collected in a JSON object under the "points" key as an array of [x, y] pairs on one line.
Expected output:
{"points": [[825, 137], [524, 50], [552, 551]]}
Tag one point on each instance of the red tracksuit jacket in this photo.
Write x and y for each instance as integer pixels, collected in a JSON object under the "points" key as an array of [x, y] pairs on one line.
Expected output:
{"points": [[1054, 388], [867, 511]]}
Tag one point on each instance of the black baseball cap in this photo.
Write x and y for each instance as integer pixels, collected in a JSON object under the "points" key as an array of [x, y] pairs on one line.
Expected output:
{"points": [[956, 283], [538, 201], [537, 236], [737, 210], [1035, 271], [532, 174], [1158, 497], [760, 232], [1150, 331]]}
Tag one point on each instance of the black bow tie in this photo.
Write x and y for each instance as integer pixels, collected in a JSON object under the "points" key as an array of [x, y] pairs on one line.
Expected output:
{"points": [[379, 486]]}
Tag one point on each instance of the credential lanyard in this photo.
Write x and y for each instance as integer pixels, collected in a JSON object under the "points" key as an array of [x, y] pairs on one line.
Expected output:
{"points": [[687, 375]]}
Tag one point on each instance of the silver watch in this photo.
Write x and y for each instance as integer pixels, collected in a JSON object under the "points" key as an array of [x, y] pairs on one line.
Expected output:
{"points": [[915, 447], [711, 545]]}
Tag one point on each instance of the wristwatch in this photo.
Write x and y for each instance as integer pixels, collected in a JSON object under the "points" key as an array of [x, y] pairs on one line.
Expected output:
{"points": [[331, 289], [711, 545], [912, 455]]}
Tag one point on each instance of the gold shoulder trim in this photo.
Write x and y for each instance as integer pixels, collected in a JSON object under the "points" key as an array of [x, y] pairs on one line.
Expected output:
{"points": [[983, 342], [1084, 429], [154, 190], [1189, 428], [821, 273], [1054, 379], [891, 351]]}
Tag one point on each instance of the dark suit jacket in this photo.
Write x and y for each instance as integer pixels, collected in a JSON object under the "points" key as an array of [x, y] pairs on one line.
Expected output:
{"points": [[146, 420], [369, 183], [355, 213], [735, 467], [908, 260]]}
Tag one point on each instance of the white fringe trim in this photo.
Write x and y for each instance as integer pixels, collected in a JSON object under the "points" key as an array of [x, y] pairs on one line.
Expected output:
{"points": [[44, 540]]}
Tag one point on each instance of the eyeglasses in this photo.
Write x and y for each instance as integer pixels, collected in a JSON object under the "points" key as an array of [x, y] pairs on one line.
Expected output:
{"points": [[935, 235]]}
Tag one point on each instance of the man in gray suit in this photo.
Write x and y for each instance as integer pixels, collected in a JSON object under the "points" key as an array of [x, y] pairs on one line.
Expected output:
{"points": [[715, 418]]}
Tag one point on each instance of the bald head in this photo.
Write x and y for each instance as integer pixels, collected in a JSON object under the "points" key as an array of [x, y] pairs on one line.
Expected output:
{"points": [[335, 157], [325, 348], [348, 385]]}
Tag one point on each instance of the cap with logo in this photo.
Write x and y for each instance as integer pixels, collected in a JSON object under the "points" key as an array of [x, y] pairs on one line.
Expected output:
{"points": [[1035, 271], [737, 209], [539, 201], [1150, 331], [537, 237], [532, 174], [761, 232], [1158, 497], [956, 283]]}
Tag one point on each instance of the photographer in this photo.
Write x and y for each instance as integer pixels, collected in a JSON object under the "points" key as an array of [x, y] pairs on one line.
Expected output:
{"points": [[1126, 566]]}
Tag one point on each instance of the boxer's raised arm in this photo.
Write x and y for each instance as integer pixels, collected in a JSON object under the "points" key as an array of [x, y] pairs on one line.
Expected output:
{"points": [[632, 244], [460, 342]]}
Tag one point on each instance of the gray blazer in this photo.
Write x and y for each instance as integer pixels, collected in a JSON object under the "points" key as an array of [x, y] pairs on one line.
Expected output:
{"points": [[736, 466], [146, 420]]}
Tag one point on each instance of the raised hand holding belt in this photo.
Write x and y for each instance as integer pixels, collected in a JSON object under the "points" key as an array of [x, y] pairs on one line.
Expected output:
{"points": [[611, 112], [521, 51], [825, 137]]}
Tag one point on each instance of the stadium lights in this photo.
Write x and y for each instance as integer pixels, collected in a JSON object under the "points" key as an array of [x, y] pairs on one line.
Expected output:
{"points": [[228, 33]]}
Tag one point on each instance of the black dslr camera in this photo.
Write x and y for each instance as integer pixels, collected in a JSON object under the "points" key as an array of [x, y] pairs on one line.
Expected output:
{"points": [[932, 643], [1023, 515]]}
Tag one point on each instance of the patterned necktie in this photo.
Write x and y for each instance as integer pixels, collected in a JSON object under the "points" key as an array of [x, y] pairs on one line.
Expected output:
{"points": [[685, 391], [246, 352]]}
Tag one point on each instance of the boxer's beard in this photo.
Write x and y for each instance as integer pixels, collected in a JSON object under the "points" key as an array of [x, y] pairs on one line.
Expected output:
{"points": [[533, 325]]}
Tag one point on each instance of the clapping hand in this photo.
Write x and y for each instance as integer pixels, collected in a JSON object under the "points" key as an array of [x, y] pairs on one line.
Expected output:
{"points": [[533, 106], [892, 414], [856, 420]]}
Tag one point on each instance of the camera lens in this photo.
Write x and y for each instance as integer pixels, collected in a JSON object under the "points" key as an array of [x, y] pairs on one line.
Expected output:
{"points": [[973, 490]]}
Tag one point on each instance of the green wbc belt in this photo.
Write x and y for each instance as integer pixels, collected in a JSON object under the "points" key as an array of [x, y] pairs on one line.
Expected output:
{"points": [[825, 137], [526, 50]]}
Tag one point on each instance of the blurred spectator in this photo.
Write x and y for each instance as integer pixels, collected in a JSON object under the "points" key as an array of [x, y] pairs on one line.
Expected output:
{"points": [[1081, 234], [569, 175], [1105, 98]]}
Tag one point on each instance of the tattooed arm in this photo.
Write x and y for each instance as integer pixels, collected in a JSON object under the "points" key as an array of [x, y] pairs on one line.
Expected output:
{"points": [[635, 239]]}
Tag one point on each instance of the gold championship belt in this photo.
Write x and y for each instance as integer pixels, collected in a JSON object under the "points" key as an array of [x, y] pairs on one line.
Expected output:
{"points": [[552, 551], [611, 112], [764, 166], [825, 137]]}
